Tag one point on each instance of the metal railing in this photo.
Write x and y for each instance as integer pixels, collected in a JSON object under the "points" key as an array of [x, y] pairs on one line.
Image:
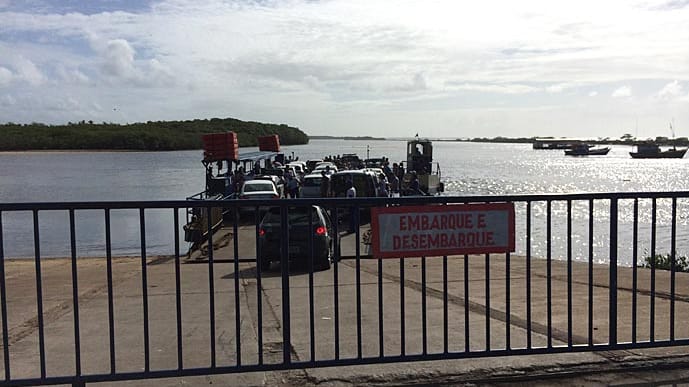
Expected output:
{"points": [[575, 284]]}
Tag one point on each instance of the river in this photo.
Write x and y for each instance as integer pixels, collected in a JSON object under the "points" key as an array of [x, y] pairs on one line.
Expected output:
{"points": [[467, 169]]}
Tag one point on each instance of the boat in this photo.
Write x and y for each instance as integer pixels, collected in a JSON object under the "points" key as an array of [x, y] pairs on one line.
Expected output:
{"points": [[420, 165], [587, 150], [651, 150]]}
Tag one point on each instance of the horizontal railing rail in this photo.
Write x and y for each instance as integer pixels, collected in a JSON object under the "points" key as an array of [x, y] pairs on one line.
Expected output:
{"points": [[592, 272]]}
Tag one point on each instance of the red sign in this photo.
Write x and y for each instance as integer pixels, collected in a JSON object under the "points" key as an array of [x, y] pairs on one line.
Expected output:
{"points": [[455, 229]]}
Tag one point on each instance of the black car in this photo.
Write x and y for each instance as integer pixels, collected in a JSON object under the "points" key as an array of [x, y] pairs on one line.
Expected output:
{"points": [[319, 232]]}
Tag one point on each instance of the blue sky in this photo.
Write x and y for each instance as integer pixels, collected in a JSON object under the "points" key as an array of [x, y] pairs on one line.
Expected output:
{"points": [[439, 68]]}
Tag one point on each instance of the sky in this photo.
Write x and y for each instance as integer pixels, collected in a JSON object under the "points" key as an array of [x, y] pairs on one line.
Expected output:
{"points": [[443, 69]]}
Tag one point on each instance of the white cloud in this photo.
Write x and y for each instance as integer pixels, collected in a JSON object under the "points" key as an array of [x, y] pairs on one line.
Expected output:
{"points": [[119, 59], [671, 91], [622, 92], [5, 76], [593, 94], [28, 71]]}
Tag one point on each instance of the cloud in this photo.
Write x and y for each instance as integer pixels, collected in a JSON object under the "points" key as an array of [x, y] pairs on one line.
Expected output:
{"points": [[622, 92], [671, 91], [593, 94], [5, 76], [119, 59], [28, 71]]}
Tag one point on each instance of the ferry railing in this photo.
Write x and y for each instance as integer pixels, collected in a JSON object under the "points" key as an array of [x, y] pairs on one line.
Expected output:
{"points": [[424, 308]]}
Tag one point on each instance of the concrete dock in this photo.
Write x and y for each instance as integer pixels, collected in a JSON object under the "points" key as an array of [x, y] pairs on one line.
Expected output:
{"points": [[599, 368]]}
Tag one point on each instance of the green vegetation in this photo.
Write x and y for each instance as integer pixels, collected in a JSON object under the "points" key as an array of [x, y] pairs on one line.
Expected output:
{"points": [[664, 262], [152, 136]]}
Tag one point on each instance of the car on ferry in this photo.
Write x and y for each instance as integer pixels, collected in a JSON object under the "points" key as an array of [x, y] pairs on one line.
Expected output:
{"points": [[311, 185], [310, 234]]}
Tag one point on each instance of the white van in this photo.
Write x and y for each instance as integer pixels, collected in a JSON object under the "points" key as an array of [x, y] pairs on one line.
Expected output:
{"points": [[311, 186]]}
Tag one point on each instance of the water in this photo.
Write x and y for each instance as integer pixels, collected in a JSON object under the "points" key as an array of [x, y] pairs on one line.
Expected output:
{"points": [[467, 169]]}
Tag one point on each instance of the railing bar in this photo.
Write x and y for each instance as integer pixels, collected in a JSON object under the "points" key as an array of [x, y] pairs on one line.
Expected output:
{"points": [[612, 319], [487, 291], [673, 268], [39, 293], [259, 285], [467, 347], [528, 275], [653, 271], [111, 301], [381, 333], [336, 286], [312, 323], [508, 332], [357, 248], [211, 285], [3, 306], [590, 275], [178, 292], [284, 267], [237, 300], [635, 263], [144, 291], [75, 292], [569, 273], [549, 273], [446, 329], [424, 324], [403, 332]]}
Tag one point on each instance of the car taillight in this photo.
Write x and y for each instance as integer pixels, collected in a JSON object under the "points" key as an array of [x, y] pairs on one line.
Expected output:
{"points": [[320, 230], [261, 232]]}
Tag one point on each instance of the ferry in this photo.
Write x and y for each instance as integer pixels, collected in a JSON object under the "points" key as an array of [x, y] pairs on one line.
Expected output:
{"points": [[226, 169]]}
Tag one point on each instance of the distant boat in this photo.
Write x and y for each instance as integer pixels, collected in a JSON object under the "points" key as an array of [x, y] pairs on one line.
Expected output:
{"points": [[586, 150], [652, 151]]}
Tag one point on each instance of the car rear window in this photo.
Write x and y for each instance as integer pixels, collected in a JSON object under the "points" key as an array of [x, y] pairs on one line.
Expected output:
{"points": [[312, 182], [256, 187], [295, 215]]}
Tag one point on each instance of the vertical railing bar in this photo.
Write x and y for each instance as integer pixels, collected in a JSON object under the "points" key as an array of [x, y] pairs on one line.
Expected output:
{"points": [[178, 292], [259, 285], [111, 301], [237, 300], [612, 319], [635, 263], [144, 290], [528, 275], [211, 285], [75, 292], [673, 268], [3, 306], [653, 271], [467, 347], [357, 249], [336, 286], [445, 309], [284, 268], [39, 293], [487, 291], [549, 273], [508, 310], [312, 323], [590, 276], [424, 326], [569, 273], [403, 332], [381, 333]]}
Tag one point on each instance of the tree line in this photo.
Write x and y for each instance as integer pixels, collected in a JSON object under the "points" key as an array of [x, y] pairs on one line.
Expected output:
{"points": [[149, 136]]}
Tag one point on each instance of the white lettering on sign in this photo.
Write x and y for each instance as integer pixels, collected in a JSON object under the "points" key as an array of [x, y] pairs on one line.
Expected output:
{"points": [[443, 230]]}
